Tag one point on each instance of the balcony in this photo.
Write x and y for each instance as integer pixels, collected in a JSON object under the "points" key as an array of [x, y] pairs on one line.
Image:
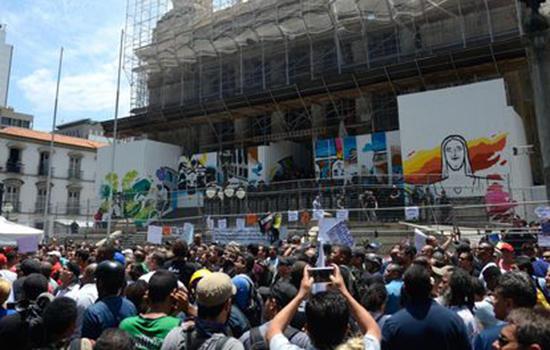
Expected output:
{"points": [[73, 209], [40, 207], [14, 166], [75, 174], [43, 170]]}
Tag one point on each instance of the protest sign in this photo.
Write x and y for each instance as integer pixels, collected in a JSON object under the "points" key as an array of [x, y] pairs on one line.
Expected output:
{"points": [[333, 231], [412, 213], [154, 234], [222, 224], [292, 216], [342, 215]]}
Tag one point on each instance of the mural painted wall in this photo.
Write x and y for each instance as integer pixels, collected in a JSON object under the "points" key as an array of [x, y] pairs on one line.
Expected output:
{"points": [[459, 140], [144, 182], [374, 156]]}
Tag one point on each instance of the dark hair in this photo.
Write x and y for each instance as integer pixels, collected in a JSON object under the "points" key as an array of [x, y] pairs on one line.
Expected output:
{"points": [[344, 250], [409, 250], [180, 248], [135, 293], [161, 285], [106, 252], [524, 263], [252, 249], [327, 316], [532, 326], [417, 284], [248, 261], [374, 297], [469, 255], [34, 285], [58, 317], [478, 286], [423, 261], [158, 258], [136, 271], [110, 277], [519, 287], [83, 254], [461, 289], [46, 269], [114, 338], [30, 266], [209, 313]]}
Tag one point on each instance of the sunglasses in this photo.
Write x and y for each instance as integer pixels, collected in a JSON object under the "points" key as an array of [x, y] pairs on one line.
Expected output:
{"points": [[546, 257], [503, 341]]}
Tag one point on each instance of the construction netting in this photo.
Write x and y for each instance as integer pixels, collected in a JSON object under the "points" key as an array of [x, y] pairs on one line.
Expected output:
{"points": [[226, 46]]}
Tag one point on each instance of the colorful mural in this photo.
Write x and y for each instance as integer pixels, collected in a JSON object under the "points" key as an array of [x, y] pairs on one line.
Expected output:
{"points": [[373, 156], [141, 199]]}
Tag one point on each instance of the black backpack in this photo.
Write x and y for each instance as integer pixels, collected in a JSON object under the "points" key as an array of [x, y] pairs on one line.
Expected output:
{"points": [[257, 342], [191, 340], [254, 310]]}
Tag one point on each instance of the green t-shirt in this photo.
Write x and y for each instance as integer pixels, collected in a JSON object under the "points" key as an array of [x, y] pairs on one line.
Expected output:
{"points": [[149, 333]]}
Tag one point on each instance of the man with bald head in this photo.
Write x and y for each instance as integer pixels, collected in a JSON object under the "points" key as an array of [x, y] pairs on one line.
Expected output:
{"points": [[87, 296]]}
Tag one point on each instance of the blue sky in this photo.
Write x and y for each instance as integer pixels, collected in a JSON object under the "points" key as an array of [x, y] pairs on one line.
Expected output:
{"points": [[89, 31]]}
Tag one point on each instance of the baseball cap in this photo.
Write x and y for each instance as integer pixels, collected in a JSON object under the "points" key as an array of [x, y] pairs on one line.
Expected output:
{"points": [[215, 289], [242, 296], [506, 246], [283, 293], [120, 259], [3, 259], [441, 271], [55, 252]]}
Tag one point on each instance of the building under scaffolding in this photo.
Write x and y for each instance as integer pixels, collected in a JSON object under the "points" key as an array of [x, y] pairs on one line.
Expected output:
{"points": [[208, 75]]}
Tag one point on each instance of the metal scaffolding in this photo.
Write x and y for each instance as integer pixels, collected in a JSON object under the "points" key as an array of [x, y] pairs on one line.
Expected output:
{"points": [[252, 71]]}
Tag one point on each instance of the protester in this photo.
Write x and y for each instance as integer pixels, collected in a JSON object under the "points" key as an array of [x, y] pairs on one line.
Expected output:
{"points": [[86, 296], [514, 290], [163, 299], [394, 283], [327, 315], [527, 329], [5, 290], [214, 297], [423, 323], [69, 281], [179, 264], [114, 339], [111, 308]]}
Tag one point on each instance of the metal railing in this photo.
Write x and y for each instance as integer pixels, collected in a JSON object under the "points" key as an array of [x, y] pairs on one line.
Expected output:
{"points": [[14, 167], [74, 174], [43, 170]]}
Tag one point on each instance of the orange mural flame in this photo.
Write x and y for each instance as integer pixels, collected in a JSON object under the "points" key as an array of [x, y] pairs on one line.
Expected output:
{"points": [[425, 166]]}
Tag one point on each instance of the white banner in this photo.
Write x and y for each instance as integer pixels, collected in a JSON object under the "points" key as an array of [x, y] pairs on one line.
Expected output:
{"points": [[342, 215], [249, 235], [154, 234], [292, 216]]}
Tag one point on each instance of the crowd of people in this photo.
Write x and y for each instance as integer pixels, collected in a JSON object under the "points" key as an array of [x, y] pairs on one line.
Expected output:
{"points": [[253, 297]]}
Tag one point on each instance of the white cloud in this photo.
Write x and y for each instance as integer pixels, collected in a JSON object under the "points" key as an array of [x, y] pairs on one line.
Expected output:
{"points": [[93, 90]]}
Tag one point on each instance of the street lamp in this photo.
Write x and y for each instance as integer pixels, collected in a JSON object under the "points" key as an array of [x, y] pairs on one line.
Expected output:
{"points": [[241, 193], [211, 192], [229, 192]]}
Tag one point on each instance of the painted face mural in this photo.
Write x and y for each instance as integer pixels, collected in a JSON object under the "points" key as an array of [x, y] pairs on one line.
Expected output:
{"points": [[455, 154]]}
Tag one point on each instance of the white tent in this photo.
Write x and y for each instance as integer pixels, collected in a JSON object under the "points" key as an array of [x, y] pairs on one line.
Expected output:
{"points": [[11, 231]]}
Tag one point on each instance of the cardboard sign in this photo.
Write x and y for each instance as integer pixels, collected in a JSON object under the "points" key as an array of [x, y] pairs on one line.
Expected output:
{"points": [[240, 223], [292, 216], [188, 231], [154, 234], [342, 215], [412, 213]]}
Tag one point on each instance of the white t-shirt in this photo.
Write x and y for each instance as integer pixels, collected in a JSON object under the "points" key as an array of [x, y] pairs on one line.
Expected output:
{"points": [[86, 296], [280, 342], [9, 275], [469, 320]]}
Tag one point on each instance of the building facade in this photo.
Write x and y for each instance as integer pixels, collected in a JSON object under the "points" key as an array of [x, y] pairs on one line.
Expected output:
{"points": [[84, 128], [9, 117], [25, 157], [6, 52]]}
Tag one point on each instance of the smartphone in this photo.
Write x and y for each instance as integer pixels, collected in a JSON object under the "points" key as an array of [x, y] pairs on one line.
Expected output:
{"points": [[321, 274]]}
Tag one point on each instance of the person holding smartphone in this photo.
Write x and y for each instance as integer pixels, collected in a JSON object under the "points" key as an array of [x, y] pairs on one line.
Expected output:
{"points": [[327, 315]]}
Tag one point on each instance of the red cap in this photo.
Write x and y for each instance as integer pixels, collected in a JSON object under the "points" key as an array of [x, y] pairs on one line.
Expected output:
{"points": [[3, 259], [507, 246]]}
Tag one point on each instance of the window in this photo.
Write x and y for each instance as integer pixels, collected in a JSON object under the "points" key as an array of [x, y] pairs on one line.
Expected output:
{"points": [[74, 168], [41, 200], [13, 164], [73, 202], [43, 166], [11, 195]]}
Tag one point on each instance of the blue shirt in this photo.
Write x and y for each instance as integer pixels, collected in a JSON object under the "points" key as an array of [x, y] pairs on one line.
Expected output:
{"points": [[485, 339], [541, 267], [394, 296], [6, 312], [106, 313], [428, 326]]}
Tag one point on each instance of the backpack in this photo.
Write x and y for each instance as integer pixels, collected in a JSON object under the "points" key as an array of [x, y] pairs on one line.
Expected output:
{"points": [[258, 342], [254, 310], [191, 340]]}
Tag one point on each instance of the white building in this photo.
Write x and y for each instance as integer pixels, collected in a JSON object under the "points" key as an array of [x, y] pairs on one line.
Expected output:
{"points": [[24, 157], [6, 52]]}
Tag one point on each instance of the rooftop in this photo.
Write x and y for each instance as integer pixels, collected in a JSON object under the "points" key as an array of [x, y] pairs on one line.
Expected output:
{"points": [[46, 137], [86, 121]]}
